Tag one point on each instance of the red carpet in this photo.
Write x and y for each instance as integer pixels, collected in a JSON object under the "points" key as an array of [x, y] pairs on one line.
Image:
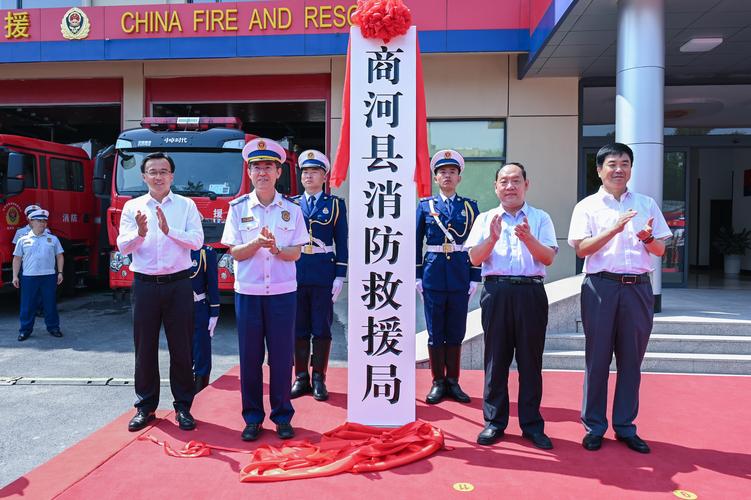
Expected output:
{"points": [[698, 427]]}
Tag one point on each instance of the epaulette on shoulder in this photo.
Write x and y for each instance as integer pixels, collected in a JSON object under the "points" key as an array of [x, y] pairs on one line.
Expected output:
{"points": [[427, 198], [292, 199], [239, 200]]}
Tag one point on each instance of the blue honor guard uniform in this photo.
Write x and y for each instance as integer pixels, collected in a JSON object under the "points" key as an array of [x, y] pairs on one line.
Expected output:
{"points": [[445, 277], [320, 275], [203, 277]]}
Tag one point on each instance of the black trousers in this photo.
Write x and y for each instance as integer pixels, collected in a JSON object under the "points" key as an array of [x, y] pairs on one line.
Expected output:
{"points": [[171, 305], [514, 320]]}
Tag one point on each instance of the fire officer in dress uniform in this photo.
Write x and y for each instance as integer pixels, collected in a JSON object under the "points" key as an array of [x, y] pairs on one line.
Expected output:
{"points": [[42, 257], [320, 274], [617, 232], [264, 232], [445, 277], [205, 283]]}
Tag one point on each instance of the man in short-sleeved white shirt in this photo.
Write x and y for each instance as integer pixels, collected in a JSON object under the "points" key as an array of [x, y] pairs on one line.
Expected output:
{"points": [[514, 243], [41, 255], [264, 232], [617, 232]]}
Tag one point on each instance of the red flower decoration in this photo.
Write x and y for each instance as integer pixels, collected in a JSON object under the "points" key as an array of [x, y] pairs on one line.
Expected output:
{"points": [[384, 19]]}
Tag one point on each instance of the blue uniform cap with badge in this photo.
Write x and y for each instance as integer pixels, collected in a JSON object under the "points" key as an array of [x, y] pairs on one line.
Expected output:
{"points": [[261, 149], [31, 208], [447, 158], [312, 158], [39, 215]]}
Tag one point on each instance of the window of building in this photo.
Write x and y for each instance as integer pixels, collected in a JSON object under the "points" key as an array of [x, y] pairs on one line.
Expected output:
{"points": [[482, 143], [66, 175]]}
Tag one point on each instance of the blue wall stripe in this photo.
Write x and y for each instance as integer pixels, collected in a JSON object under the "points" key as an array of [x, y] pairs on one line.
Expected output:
{"points": [[501, 40]]}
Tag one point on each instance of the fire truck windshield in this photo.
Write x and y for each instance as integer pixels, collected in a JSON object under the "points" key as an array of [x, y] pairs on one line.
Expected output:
{"points": [[197, 173]]}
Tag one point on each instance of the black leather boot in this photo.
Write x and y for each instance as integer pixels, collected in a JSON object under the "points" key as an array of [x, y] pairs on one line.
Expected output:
{"points": [[453, 365], [302, 377], [437, 367], [201, 382], [320, 362]]}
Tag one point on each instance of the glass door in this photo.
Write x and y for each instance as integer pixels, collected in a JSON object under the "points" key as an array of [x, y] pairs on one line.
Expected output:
{"points": [[675, 210]]}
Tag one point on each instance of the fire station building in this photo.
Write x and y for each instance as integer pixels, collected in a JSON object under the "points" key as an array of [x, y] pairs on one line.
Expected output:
{"points": [[541, 82]]}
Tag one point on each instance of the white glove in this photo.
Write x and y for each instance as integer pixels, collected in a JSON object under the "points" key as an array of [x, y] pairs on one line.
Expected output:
{"points": [[336, 288], [212, 324], [418, 286], [473, 285]]}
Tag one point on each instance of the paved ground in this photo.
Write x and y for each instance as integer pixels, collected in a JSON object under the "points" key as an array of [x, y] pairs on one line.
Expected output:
{"points": [[74, 385]]}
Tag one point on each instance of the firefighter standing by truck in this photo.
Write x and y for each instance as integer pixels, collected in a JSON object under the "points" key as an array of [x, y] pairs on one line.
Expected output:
{"points": [[42, 257]]}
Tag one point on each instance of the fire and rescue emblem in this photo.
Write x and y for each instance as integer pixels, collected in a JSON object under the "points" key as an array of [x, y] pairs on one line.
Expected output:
{"points": [[285, 216], [12, 216], [261, 145], [75, 24], [311, 155], [325, 211], [447, 154]]}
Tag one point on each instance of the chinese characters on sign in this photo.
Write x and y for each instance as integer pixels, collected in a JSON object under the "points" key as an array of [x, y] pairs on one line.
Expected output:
{"points": [[16, 25], [382, 196]]}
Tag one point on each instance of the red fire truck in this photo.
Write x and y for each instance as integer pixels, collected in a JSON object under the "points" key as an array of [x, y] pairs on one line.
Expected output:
{"points": [[209, 169], [59, 178]]}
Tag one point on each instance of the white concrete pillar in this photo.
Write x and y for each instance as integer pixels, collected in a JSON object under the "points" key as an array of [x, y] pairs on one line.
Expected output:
{"points": [[639, 102]]}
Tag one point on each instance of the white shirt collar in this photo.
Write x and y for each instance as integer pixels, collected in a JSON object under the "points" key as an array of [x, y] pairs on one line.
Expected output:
{"points": [[253, 199], [523, 211], [604, 194], [151, 199]]}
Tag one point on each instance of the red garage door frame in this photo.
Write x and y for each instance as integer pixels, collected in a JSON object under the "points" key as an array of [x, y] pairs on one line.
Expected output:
{"points": [[241, 88], [62, 91]]}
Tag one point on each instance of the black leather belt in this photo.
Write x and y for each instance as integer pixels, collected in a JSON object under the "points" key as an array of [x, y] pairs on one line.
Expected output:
{"points": [[516, 280], [626, 279], [162, 278]]}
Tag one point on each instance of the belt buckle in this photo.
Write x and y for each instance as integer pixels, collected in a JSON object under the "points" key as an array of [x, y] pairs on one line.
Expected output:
{"points": [[161, 279], [629, 279], [307, 249], [516, 280], [447, 247]]}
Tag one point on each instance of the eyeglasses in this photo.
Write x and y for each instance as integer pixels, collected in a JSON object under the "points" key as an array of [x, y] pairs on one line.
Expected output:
{"points": [[158, 173]]}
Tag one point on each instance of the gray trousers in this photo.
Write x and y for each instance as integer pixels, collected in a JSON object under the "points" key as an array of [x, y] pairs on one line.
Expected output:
{"points": [[617, 319]]}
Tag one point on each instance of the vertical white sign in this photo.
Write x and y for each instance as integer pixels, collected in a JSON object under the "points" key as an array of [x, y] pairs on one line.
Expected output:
{"points": [[382, 198]]}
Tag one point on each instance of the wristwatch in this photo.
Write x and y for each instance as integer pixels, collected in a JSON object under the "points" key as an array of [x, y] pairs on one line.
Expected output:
{"points": [[278, 251]]}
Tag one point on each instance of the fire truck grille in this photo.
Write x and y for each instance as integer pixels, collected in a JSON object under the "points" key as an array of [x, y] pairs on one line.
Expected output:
{"points": [[212, 231]]}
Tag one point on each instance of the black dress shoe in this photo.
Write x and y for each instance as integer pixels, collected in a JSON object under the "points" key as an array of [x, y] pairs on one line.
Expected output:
{"points": [[285, 431], [635, 443], [592, 442], [185, 420], [539, 439], [437, 392], [23, 336], [489, 435], [56, 333], [455, 391], [140, 420], [251, 432], [320, 393], [301, 386]]}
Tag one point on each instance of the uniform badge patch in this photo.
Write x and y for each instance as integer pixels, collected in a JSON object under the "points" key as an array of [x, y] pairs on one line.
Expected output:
{"points": [[325, 210], [247, 219], [285, 216], [195, 263], [464, 213], [49, 240]]}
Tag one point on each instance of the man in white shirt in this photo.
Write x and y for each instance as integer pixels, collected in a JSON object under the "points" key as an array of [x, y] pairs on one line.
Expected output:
{"points": [[514, 243], [617, 232], [160, 229], [264, 232]]}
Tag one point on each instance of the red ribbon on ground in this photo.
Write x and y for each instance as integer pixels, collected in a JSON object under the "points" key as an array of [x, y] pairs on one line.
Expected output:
{"points": [[353, 448]]}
